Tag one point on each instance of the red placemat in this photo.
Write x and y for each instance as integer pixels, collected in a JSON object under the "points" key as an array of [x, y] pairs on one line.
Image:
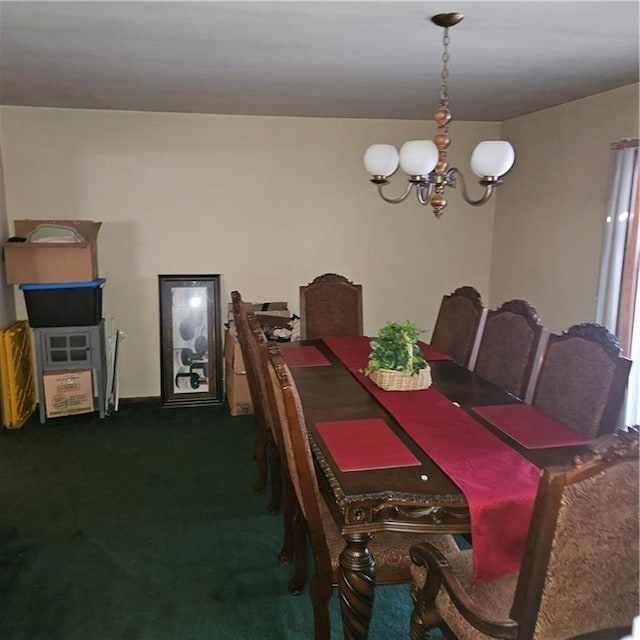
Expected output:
{"points": [[530, 427], [358, 445], [304, 357]]}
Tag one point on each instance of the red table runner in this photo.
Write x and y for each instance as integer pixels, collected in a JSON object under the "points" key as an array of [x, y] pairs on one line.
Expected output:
{"points": [[499, 484], [529, 426], [353, 351], [300, 356], [369, 443]]}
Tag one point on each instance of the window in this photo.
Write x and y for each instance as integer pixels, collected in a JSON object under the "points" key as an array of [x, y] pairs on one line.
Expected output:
{"points": [[619, 288]]}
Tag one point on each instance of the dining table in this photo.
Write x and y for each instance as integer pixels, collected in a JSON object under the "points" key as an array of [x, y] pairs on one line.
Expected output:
{"points": [[455, 458]]}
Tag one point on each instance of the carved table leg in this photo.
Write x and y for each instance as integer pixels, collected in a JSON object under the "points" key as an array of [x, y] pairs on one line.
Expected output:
{"points": [[356, 586]]}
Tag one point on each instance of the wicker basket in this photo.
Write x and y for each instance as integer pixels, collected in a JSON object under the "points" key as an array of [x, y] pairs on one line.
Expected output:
{"points": [[390, 380]]}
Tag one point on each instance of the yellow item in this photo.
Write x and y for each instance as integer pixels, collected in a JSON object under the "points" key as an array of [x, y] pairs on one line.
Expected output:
{"points": [[18, 397]]}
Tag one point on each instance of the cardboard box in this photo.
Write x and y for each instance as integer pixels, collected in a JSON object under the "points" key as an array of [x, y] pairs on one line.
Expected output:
{"points": [[236, 384], [270, 314], [274, 319], [67, 393], [47, 262]]}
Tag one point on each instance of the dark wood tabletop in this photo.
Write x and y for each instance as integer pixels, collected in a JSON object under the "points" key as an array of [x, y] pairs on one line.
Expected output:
{"points": [[415, 498], [371, 500]]}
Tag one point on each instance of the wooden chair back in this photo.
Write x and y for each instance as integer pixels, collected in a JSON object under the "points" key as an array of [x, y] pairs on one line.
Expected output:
{"points": [[583, 379], [239, 311], [457, 324], [330, 305], [280, 491], [302, 475], [295, 441], [508, 346], [258, 350], [291, 547]]}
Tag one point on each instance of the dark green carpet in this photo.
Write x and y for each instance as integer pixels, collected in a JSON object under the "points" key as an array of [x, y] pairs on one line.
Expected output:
{"points": [[145, 526]]}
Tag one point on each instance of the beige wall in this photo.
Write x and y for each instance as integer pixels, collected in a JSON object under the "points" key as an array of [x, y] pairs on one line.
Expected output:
{"points": [[550, 211], [269, 203]]}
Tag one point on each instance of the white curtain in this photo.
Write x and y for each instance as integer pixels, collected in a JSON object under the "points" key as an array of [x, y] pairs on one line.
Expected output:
{"points": [[620, 251], [633, 390]]}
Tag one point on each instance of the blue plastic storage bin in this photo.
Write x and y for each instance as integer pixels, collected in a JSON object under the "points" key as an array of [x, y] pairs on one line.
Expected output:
{"points": [[64, 304]]}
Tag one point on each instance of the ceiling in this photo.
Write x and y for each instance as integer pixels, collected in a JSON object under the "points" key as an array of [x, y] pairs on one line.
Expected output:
{"points": [[303, 58]]}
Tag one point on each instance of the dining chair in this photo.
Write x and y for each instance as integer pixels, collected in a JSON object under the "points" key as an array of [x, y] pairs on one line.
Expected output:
{"points": [[583, 379], [508, 346], [390, 549], [330, 305], [579, 572], [282, 489], [457, 324], [263, 429]]}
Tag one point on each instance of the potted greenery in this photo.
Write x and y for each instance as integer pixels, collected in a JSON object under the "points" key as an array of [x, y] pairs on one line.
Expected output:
{"points": [[396, 362]]}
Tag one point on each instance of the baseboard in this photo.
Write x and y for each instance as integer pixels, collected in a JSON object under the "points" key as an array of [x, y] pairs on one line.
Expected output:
{"points": [[140, 399]]}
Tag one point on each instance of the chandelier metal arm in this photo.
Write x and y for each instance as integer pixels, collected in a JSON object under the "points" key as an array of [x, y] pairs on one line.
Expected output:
{"points": [[424, 191], [454, 176], [399, 199]]}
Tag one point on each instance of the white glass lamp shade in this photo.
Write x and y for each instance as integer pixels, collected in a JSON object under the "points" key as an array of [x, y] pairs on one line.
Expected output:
{"points": [[381, 160], [418, 157], [492, 158]]}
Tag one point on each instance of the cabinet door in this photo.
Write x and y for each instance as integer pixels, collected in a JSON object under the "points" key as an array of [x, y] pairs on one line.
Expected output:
{"points": [[67, 350]]}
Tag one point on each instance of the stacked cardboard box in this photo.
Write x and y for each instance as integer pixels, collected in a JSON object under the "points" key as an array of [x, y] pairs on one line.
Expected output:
{"points": [[67, 393], [270, 314], [55, 262], [49, 262]]}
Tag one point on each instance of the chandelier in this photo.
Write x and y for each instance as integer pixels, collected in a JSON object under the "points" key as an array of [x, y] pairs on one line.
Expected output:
{"points": [[425, 161]]}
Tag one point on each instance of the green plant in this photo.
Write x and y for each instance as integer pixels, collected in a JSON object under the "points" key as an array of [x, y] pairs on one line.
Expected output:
{"points": [[396, 348]]}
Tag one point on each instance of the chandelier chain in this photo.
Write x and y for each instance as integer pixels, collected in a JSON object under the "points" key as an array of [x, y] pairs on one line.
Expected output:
{"points": [[444, 91]]}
